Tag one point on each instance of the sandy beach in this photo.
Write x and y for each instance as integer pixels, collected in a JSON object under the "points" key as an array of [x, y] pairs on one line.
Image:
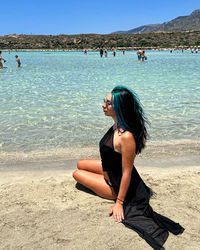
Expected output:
{"points": [[44, 209]]}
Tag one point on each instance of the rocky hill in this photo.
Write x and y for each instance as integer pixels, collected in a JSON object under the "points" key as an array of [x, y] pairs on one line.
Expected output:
{"points": [[94, 41], [182, 23]]}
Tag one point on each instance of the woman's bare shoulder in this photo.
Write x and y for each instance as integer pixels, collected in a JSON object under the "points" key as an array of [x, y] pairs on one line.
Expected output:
{"points": [[128, 144], [127, 137]]}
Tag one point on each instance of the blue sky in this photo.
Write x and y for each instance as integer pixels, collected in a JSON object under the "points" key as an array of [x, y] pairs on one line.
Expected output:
{"points": [[75, 17]]}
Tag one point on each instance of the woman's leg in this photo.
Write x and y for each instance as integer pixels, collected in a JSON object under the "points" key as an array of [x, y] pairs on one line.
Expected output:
{"points": [[94, 182], [91, 165]]}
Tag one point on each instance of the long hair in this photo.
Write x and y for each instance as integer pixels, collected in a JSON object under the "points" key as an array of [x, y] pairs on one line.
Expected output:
{"points": [[130, 115]]}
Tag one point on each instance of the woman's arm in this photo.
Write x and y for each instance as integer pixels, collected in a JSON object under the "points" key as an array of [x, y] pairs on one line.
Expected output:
{"points": [[128, 155], [128, 147]]}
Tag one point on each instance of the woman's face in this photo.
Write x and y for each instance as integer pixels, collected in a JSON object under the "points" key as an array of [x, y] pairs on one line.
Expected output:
{"points": [[107, 107]]}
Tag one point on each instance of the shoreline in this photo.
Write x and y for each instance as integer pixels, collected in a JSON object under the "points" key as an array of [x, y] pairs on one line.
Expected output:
{"points": [[97, 50], [64, 164], [156, 154]]}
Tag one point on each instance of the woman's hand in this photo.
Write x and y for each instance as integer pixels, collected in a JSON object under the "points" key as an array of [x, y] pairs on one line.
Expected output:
{"points": [[117, 211]]}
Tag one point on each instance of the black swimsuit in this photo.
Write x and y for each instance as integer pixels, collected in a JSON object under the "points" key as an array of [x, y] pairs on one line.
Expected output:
{"points": [[138, 214]]}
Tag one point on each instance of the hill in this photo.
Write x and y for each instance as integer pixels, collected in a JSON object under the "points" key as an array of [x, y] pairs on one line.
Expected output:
{"points": [[179, 24], [94, 41]]}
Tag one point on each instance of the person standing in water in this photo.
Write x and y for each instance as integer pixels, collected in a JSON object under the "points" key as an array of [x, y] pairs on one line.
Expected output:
{"points": [[143, 56], [1, 59], [101, 52], [18, 61], [106, 53], [139, 54]]}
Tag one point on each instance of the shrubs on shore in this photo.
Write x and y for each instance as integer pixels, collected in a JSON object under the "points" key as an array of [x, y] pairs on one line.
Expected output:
{"points": [[94, 41]]}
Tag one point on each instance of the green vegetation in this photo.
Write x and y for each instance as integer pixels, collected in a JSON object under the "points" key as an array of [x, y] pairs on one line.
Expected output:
{"points": [[94, 41]]}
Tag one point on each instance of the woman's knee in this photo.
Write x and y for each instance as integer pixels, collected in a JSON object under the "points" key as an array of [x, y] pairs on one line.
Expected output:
{"points": [[81, 164], [75, 174], [80, 176]]}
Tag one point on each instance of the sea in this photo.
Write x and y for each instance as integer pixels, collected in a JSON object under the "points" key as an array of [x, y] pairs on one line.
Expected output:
{"points": [[51, 107]]}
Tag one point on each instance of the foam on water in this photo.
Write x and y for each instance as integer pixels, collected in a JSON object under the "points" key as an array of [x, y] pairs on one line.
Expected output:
{"points": [[53, 102]]}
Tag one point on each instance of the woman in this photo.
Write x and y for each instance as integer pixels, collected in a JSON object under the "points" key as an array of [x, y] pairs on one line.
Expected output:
{"points": [[115, 177]]}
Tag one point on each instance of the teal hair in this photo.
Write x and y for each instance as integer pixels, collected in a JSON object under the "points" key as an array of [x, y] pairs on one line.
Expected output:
{"points": [[130, 115]]}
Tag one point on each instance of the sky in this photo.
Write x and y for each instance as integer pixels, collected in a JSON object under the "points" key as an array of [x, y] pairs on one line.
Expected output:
{"points": [[56, 17]]}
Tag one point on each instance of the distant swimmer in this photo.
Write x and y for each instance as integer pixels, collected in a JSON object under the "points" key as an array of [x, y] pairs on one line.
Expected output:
{"points": [[18, 61], [114, 52], [1, 59]]}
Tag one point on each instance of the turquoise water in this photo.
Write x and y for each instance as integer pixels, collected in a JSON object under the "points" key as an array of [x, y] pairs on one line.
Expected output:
{"points": [[53, 102]]}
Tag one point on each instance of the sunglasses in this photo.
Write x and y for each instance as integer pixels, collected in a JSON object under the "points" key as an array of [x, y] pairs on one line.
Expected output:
{"points": [[107, 102]]}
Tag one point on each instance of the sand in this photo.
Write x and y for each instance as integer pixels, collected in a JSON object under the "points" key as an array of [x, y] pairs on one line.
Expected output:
{"points": [[44, 210]]}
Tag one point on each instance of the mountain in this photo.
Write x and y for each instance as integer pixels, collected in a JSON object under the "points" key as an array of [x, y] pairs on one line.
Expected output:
{"points": [[138, 30], [179, 24]]}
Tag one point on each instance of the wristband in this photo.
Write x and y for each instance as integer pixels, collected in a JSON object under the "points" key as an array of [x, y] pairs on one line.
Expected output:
{"points": [[120, 200]]}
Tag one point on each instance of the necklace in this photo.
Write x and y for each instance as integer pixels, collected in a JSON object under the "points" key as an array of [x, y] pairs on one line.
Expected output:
{"points": [[119, 129]]}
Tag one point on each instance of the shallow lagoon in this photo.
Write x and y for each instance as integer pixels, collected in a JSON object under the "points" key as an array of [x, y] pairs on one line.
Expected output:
{"points": [[53, 102]]}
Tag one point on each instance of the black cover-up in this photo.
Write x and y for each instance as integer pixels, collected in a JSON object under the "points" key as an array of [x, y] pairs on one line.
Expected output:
{"points": [[138, 214]]}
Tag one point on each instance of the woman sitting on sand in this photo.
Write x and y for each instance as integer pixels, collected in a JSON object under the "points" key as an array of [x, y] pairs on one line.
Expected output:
{"points": [[115, 177]]}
